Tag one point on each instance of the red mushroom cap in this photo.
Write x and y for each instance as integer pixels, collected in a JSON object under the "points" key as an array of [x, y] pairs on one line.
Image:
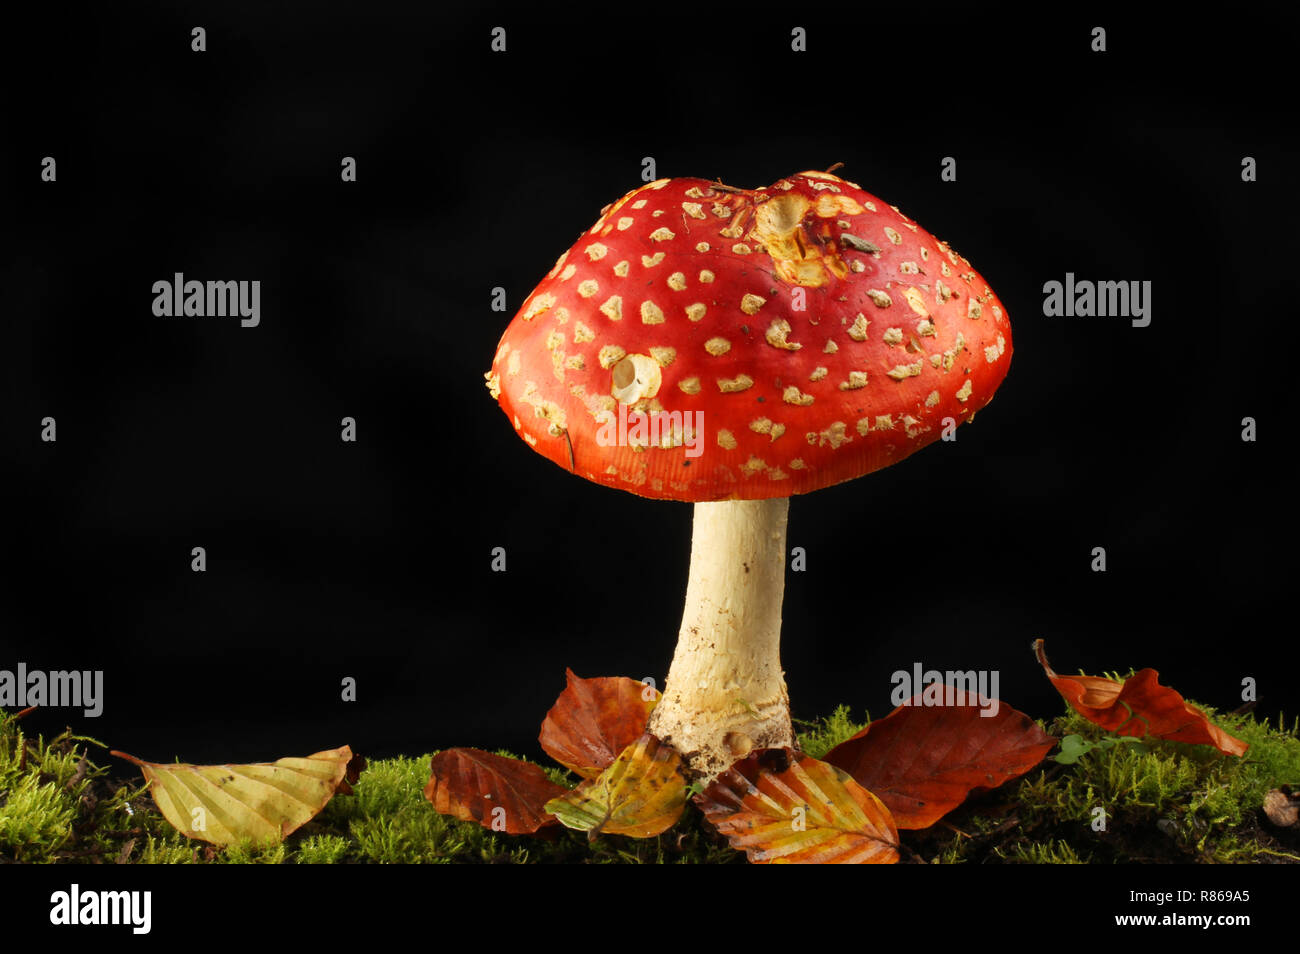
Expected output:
{"points": [[701, 342]]}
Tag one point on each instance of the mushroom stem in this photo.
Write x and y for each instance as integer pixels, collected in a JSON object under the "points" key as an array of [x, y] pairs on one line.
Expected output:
{"points": [[726, 694]]}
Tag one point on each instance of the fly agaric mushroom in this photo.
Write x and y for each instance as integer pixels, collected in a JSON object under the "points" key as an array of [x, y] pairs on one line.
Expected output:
{"points": [[732, 348]]}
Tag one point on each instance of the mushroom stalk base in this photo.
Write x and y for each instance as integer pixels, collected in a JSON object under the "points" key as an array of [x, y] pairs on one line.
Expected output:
{"points": [[726, 694]]}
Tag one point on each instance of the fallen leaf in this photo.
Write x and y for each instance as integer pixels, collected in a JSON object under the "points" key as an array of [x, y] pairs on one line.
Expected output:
{"points": [[784, 807], [641, 793], [499, 793], [1281, 810], [1139, 706], [594, 720], [263, 802], [923, 760]]}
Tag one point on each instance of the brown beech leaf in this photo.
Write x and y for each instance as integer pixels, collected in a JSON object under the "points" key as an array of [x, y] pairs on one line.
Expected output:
{"points": [[594, 720], [1282, 810], [641, 794], [1139, 706], [263, 802], [499, 793], [923, 760], [784, 807]]}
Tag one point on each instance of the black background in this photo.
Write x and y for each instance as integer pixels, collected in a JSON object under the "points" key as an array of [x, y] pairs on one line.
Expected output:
{"points": [[477, 169]]}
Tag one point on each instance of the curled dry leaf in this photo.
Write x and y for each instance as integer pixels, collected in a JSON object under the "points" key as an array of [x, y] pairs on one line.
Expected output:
{"points": [[1281, 809], [641, 793], [923, 760], [594, 720], [263, 802], [499, 793], [785, 807], [1139, 706]]}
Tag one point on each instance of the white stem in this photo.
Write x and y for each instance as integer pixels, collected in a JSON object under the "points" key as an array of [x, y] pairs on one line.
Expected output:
{"points": [[725, 693]]}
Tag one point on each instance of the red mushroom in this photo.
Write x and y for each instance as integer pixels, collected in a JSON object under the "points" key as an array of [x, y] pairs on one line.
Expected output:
{"points": [[732, 348]]}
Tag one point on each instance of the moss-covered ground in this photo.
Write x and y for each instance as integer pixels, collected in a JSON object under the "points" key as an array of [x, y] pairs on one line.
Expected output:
{"points": [[1161, 802]]}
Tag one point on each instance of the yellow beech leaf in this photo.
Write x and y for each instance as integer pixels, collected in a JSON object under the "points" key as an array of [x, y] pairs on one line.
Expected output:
{"points": [[641, 793], [263, 802], [784, 807]]}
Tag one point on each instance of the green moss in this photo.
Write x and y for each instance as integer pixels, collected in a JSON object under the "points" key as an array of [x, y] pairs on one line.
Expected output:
{"points": [[1162, 802], [1119, 802], [819, 737]]}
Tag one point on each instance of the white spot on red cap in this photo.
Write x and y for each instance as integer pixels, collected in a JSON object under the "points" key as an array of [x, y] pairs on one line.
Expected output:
{"points": [[835, 435], [613, 308], [717, 346], [651, 314], [538, 305], [916, 302], [904, 371], [792, 395], [695, 311], [777, 332], [740, 382]]}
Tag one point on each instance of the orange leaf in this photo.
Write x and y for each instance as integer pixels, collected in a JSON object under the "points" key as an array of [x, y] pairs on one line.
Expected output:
{"points": [[784, 807], [922, 761], [594, 720], [472, 785], [1139, 706], [641, 794]]}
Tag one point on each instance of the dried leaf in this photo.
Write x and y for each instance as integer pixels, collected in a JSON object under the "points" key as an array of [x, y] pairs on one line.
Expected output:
{"points": [[1281, 809], [642, 793], [499, 793], [784, 807], [594, 720], [1139, 706], [922, 761], [263, 802]]}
